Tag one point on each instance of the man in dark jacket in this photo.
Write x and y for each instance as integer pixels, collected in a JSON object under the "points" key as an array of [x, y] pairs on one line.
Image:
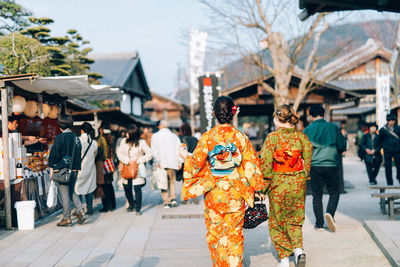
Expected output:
{"points": [[389, 141], [328, 144], [60, 157], [370, 147]]}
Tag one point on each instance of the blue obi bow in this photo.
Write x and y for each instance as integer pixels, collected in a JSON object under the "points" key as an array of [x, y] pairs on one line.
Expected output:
{"points": [[227, 161]]}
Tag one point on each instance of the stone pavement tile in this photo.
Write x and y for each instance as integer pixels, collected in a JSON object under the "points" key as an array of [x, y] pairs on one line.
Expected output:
{"points": [[129, 251], [100, 256], [33, 252], [346, 247], [57, 250], [74, 258], [176, 262], [17, 248], [122, 261], [7, 238], [173, 253], [387, 236], [176, 244], [15, 264], [182, 236]]}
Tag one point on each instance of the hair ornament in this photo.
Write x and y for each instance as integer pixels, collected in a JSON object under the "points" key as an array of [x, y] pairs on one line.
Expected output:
{"points": [[235, 110]]}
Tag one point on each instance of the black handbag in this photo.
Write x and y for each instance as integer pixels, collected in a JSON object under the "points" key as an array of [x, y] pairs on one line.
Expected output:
{"points": [[255, 216], [63, 176]]}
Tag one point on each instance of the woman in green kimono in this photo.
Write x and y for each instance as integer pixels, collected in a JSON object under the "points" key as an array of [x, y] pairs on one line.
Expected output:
{"points": [[286, 163]]}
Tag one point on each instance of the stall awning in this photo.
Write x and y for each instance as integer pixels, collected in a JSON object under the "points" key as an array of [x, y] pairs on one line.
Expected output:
{"points": [[71, 87]]}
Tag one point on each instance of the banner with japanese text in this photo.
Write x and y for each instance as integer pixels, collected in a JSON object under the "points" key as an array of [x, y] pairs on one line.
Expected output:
{"points": [[382, 98], [208, 93]]}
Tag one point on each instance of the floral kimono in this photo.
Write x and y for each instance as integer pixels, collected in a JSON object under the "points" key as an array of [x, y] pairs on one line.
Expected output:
{"points": [[225, 168], [286, 163]]}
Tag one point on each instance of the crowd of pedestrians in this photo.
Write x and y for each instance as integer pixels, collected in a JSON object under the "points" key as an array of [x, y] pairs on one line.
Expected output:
{"points": [[373, 143], [98, 163], [223, 167]]}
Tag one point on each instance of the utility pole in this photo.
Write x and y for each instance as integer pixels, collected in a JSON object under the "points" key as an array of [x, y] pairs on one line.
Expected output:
{"points": [[6, 152]]}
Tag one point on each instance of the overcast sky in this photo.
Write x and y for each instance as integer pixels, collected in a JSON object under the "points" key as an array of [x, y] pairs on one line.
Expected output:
{"points": [[152, 27]]}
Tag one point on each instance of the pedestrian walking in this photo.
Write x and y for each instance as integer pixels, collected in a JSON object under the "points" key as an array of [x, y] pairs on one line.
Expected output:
{"points": [[226, 169], [104, 143], [389, 140], [133, 149], [328, 144], [117, 174], [86, 181], [60, 157], [185, 135], [147, 133], [165, 149], [370, 147], [286, 163]]}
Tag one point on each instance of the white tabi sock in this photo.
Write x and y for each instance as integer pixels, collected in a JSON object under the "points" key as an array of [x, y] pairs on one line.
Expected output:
{"points": [[284, 262]]}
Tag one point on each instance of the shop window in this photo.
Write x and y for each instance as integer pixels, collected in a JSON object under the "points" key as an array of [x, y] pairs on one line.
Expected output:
{"points": [[126, 104], [137, 106]]}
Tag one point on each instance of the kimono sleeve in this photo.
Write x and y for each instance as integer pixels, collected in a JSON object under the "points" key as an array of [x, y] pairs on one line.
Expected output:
{"points": [[307, 154], [251, 167], [197, 174], [267, 158]]}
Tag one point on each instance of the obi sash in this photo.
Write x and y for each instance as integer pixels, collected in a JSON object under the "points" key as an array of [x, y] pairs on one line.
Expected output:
{"points": [[287, 160], [224, 159]]}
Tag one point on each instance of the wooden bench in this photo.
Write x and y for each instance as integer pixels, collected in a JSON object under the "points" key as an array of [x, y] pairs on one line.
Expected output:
{"points": [[391, 197], [382, 189]]}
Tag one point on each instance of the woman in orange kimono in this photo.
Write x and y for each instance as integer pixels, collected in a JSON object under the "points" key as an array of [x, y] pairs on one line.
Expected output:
{"points": [[225, 168], [286, 163]]}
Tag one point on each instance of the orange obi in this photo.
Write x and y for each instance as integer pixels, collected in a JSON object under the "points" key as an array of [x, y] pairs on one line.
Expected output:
{"points": [[286, 160]]}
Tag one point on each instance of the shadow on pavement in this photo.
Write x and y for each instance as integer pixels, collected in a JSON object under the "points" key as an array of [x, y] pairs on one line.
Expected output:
{"points": [[99, 260], [148, 262], [257, 244]]}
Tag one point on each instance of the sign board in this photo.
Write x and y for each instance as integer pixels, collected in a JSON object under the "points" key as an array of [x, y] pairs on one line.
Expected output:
{"points": [[208, 93], [382, 98]]}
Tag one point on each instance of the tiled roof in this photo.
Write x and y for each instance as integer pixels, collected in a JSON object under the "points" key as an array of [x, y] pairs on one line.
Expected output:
{"points": [[124, 71], [114, 67], [354, 111], [355, 84]]}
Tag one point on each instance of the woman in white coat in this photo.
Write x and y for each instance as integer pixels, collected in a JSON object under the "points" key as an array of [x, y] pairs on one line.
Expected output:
{"points": [[133, 149], [86, 181]]}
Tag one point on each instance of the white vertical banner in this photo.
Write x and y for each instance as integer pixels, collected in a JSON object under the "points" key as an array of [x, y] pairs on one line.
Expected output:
{"points": [[197, 49], [382, 98]]}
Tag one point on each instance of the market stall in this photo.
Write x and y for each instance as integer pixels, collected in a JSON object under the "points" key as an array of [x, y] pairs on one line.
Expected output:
{"points": [[35, 104]]}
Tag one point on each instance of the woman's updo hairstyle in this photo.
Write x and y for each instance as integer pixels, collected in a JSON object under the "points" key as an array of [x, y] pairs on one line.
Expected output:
{"points": [[286, 113], [223, 109]]}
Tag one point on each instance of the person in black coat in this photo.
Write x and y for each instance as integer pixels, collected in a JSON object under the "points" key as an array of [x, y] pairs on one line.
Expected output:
{"points": [[60, 157], [370, 146], [389, 140]]}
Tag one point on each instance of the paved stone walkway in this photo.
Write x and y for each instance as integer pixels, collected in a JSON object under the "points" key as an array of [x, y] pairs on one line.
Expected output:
{"points": [[176, 237]]}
